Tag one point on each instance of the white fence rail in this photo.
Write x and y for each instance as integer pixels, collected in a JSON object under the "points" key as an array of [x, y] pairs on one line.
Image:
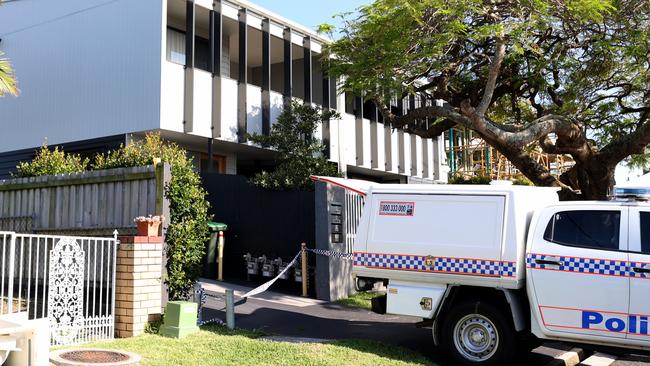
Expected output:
{"points": [[70, 280]]}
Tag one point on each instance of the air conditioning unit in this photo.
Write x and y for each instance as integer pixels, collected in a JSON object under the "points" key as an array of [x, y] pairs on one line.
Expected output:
{"points": [[24, 342], [7, 345]]}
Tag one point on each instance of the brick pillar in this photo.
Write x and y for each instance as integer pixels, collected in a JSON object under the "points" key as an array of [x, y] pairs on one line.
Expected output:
{"points": [[139, 284]]}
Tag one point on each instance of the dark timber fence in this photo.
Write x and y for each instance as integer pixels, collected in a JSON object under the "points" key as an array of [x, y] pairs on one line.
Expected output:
{"points": [[88, 203], [260, 221]]}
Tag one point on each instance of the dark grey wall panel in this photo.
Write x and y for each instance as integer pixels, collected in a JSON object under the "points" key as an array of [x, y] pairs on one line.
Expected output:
{"points": [[86, 148]]}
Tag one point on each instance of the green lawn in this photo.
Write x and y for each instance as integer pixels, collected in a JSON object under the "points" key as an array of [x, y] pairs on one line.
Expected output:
{"points": [[358, 300], [215, 345]]}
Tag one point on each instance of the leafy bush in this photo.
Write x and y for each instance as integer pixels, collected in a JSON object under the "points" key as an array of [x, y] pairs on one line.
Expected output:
{"points": [[522, 181], [52, 162], [477, 179], [300, 154], [153, 327], [188, 229]]}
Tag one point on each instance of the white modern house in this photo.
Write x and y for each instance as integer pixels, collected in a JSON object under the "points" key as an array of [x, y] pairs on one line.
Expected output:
{"points": [[97, 73]]}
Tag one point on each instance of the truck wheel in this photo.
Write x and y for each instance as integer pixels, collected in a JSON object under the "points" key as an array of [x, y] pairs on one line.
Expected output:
{"points": [[477, 333]]}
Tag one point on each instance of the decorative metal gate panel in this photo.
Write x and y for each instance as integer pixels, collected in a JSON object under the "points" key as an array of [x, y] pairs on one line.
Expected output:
{"points": [[69, 280]]}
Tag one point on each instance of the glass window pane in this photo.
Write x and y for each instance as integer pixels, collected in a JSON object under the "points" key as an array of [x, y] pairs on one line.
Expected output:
{"points": [[595, 229], [644, 223], [175, 46]]}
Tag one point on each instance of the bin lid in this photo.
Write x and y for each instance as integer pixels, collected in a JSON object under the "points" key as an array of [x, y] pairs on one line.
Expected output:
{"points": [[217, 226]]}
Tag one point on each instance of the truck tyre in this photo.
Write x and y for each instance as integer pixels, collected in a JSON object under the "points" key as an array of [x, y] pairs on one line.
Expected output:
{"points": [[476, 333]]}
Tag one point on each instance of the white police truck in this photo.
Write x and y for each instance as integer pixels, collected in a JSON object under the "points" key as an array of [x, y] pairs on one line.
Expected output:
{"points": [[497, 268]]}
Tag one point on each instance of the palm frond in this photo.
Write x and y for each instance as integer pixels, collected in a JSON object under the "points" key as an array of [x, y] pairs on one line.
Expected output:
{"points": [[8, 84]]}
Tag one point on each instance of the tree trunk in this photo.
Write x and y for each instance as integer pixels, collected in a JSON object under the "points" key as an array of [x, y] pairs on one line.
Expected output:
{"points": [[594, 179], [591, 181]]}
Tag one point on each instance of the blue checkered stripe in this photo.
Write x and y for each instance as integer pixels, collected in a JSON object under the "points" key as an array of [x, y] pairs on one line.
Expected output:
{"points": [[581, 265], [463, 266], [390, 261], [508, 269]]}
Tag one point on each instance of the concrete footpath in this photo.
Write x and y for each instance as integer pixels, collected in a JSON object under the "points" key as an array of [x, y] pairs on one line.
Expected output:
{"points": [[293, 316]]}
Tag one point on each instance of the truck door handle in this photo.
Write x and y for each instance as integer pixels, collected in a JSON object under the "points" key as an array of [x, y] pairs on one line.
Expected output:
{"points": [[548, 262], [641, 270]]}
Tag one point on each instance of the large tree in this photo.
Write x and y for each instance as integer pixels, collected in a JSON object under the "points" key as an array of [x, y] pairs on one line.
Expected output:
{"points": [[572, 77]]}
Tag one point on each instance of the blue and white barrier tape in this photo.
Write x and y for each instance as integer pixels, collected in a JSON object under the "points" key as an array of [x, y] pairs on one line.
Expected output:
{"points": [[202, 295], [202, 298], [333, 254]]}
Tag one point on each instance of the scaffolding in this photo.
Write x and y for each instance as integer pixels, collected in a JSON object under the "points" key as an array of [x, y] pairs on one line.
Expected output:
{"points": [[469, 155]]}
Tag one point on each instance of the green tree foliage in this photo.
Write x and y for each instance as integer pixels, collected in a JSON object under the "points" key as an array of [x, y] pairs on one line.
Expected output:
{"points": [[299, 153], [8, 83], [187, 231], [51, 162], [571, 77]]}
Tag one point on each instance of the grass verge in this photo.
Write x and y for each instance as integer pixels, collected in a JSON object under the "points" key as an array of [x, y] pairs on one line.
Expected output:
{"points": [[216, 345], [358, 300]]}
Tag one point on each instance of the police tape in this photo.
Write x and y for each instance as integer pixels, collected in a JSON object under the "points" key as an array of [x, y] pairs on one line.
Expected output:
{"points": [[258, 290], [265, 286], [332, 254], [202, 297], [328, 253]]}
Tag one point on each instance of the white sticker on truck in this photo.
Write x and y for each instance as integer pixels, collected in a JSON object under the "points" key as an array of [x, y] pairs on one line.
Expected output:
{"points": [[395, 208]]}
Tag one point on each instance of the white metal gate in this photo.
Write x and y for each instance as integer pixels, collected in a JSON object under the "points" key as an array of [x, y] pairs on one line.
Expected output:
{"points": [[69, 280]]}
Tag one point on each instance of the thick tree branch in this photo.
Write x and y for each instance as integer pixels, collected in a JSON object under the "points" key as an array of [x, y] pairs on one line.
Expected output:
{"points": [[421, 113], [434, 131], [550, 148], [493, 74], [537, 129], [632, 143]]}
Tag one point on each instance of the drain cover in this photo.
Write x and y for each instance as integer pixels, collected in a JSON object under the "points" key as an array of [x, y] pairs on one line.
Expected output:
{"points": [[92, 356], [74, 357]]}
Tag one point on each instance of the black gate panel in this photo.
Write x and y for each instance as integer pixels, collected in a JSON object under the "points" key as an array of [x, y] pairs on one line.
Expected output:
{"points": [[260, 221]]}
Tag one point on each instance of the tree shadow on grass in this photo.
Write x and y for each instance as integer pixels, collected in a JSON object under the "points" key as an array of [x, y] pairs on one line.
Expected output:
{"points": [[384, 339], [394, 340]]}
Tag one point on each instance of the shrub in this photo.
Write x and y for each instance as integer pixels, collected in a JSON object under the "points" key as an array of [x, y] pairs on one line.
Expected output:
{"points": [[477, 179], [188, 230], [300, 154], [51, 162], [522, 181]]}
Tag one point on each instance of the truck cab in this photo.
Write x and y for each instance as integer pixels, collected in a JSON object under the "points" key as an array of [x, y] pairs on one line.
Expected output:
{"points": [[588, 272]]}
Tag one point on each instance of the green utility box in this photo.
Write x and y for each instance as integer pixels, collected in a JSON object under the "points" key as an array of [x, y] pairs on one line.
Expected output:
{"points": [[180, 319], [214, 251]]}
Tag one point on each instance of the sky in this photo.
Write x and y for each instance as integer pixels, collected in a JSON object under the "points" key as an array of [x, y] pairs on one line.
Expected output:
{"points": [[310, 13]]}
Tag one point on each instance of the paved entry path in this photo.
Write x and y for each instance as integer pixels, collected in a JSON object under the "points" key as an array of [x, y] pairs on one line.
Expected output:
{"points": [[292, 316]]}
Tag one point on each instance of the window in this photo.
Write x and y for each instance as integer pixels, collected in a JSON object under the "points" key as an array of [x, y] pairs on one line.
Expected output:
{"points": [[644, 223], [218, 163], [349, 103], [593, 229], [175, 46], [176, 49]]}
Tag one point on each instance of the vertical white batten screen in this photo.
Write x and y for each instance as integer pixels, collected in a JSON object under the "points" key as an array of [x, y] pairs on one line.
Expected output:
{"points": [[353, 209]]}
